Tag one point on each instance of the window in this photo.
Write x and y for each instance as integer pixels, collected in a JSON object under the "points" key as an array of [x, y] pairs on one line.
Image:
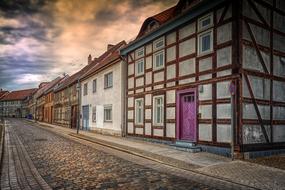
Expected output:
{"points": [[108, 80], [85, 89], [94, 85], [139, 111], [158, 60], [158, 44], [205, 22], [108, 113], [140, 52], [94, 114], [205, 44], [158, 109], [140, 67]]}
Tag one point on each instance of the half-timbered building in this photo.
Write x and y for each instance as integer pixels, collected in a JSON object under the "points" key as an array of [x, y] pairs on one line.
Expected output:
{"points": [[182, 62]]}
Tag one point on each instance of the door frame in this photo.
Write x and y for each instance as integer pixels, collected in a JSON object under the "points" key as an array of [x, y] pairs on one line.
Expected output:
{"points": [[180, 93]]}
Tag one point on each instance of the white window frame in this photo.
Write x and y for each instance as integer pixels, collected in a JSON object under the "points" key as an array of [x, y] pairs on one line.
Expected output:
{"points": [[138, 51], [94, 87], [137, 109], [136, 67], [85, 89], [155, 48], [106, 84], [155, 123], [94, 114], [199, 42], [154, 60], [203, 18], [111, 115]]}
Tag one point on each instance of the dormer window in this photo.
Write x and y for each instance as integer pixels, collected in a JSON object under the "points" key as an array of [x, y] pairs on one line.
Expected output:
{"points": [[152, 25], [140, 52], [205, 22], [158, 44]]}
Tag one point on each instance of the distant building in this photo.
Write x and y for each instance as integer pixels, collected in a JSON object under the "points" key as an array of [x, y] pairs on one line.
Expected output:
{"points": [[3, 93], [13, 104], [103, 93], [183, 61]]}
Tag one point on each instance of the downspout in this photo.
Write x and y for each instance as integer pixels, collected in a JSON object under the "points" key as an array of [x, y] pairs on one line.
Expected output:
{"points": [[69, 103], [124, 98], [78, 111]]}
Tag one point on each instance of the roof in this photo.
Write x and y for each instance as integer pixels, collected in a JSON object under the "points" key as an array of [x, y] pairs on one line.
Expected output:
{"points": [[47, 87], [3, 93], [19, 95], [161, 18], [105, 59]]}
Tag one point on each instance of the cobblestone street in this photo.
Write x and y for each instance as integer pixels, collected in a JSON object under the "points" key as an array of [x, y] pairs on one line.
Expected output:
{"points": [[65, 164]]}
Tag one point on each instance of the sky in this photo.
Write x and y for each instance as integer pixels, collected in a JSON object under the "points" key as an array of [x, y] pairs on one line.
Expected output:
{"points": [[43, 39]]}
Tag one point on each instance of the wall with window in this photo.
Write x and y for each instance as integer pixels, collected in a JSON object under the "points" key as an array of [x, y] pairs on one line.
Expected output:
{"points": [[198, 51], [105, 99]]}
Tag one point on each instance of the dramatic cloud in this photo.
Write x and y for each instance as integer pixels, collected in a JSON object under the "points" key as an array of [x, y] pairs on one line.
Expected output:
{"points": [[42, 39]]}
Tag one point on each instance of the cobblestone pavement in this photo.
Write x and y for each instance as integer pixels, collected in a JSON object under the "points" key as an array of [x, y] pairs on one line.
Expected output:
{"points": [[18, 171], [277, 161], [66, 164]]}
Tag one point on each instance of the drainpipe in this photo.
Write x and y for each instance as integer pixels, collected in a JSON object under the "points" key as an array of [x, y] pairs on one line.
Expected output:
{"points": [[69, 103], [125, 100], [78, 111]]}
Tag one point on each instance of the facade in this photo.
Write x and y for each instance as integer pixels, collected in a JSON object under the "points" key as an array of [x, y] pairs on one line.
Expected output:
{"points": [[13, 104], [103, 93], [66, 99], [183, 61], [3, 93]]}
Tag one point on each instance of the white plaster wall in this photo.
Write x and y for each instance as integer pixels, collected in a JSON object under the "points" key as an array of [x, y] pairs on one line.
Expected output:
{"points": [[147, 128], [187, 30], [261, 35], [131, 68], [205, 77], [130, 128], [158, 132], [148, 78], [170, 113], [278, 42], [250, 113], [171, 38], [131, 83], [111, 96], [130, 114], [279, 113], [224, 56], [170, 84], [223, 89], [205, 64], [278, 133], [278, 91], [148, 62], [187, 47], [158, 87], [224, 111], [187, 67], [224, 133], [205, 92], [171, 71], [170, 130], [279, 22], [148, 99], [139, 131], [205, 132], [147, 113], [205, 111], [139, 81], [170, 96], [130, 102], [139, 90], [224, 73], [171, 54], [157, 77], [224, 33], [186, 81], [260, 87], [148, 49], [279, 66]]}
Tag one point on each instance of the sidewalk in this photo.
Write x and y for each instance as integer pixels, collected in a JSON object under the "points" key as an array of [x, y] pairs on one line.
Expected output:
{"points": [[254, 175]]}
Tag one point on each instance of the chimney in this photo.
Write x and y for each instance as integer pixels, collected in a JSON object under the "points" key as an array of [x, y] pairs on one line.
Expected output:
{"points": [[89, 59], [109, 46]]}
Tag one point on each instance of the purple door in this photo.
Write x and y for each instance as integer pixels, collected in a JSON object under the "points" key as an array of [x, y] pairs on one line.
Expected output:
{"points": [[187, 116]]}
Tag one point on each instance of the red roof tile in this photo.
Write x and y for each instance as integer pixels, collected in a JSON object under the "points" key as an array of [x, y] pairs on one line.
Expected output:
{"points": [[105, 59], [19, 95], [3, 93]]}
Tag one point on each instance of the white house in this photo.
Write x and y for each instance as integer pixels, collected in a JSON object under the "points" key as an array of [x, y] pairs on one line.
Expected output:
{"points": [[102, 93]]}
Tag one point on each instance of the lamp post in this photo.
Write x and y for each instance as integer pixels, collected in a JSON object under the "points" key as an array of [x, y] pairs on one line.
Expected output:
{"points": [[78, 110]]}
